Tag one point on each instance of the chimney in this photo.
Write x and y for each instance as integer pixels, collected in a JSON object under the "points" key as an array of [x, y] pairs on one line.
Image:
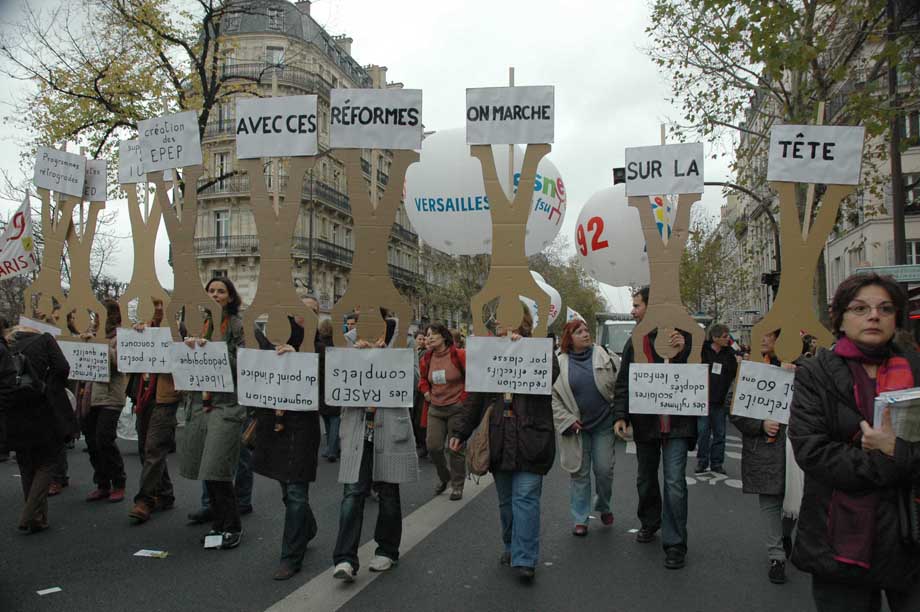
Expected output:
{"points": [[378, 76], [343, 42], [303, 6]]}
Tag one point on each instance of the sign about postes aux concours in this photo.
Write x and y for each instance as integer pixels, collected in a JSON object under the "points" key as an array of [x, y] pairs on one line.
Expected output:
{"points": [[144, 351], [170, 141], [664, 169], [375, 119], [384, 378], [826, 154], [276, 127], [202, 368], [59, 171], [510, 115], [669, 388], [289, 381]]}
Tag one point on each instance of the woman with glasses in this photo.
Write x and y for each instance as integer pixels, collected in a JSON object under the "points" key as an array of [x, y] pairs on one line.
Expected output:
{"points": [[853, 536]]}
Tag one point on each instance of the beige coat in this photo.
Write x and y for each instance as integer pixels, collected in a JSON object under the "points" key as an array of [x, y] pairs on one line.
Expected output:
{"points": [[565, 410]]}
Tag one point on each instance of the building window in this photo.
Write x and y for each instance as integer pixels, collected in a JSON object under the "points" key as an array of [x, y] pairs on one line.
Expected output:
{"points": [[221, 167], [276, 19], [232, 22], [913, 251], [218, 273], [274, 55], [222, 228], [912, 189]]}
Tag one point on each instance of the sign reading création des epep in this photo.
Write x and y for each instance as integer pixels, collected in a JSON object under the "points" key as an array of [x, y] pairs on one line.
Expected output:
{"points": [[375, 119], [510, 115], [276, 127], [170, 141], [664, 169], [95, 186], [826, 154], [384, 378], [763, 391], [266, 379], [500, 365], [669, 388], [59, 171], [144, 351], [203, 368], [88, 361]]}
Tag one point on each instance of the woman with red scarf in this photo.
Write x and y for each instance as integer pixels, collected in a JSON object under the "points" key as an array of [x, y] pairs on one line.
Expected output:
{"points": [[853, 533]]}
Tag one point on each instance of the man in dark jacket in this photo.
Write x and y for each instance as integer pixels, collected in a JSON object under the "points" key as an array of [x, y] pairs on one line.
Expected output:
{"points": [[710, 447], [659, 439]]}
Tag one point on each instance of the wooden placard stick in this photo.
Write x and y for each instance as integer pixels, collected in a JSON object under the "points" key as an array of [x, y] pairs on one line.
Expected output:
{"points": [[144, 285]]}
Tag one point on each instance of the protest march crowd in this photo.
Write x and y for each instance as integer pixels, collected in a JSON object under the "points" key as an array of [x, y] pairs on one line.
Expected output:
{"points": [[837, 490]]}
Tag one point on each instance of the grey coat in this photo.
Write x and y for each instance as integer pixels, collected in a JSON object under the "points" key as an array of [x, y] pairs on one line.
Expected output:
{"points": [[763, 464], [395, 460]]}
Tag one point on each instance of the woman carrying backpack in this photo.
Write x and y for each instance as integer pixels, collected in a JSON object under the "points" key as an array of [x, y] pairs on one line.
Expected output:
{"points": [[38, 422]]}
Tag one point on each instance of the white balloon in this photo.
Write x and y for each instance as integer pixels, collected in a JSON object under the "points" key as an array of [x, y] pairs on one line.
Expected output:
{"points": [[609, 240], [555, 300], [446, 200]]}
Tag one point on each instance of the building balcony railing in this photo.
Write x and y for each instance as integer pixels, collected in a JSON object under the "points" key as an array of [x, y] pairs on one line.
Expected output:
{"points": [[224, 127], [227, 246], [404, 233], [405, 276], [261, 72], [323, 250], [239, 185]]}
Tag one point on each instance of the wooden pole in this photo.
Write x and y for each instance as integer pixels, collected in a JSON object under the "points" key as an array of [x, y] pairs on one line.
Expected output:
{"points": [[275, 161], [511, 146], [810, 194]]}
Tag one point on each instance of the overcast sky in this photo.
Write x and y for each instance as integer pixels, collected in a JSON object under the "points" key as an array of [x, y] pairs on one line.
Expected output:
{"points": [[609, 95]]}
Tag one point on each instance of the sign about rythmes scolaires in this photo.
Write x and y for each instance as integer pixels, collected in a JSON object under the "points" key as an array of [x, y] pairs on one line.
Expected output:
{"points": [[669, 388], [203, 368], [94, 188], [664, 169], [59, 171], [826, 154], [763, 391], [170, 141], [130, 166], [510, 115], [276, 127], [144, 351], [370, 377], [375, 119], [502, 365], [266, 379], [88, 361]]}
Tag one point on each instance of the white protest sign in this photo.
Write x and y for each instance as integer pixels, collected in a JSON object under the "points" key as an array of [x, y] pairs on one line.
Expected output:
{"points": [[283, 382], [144, 351], [275, 127], [510, 115], [39, 326], [375, 119], [669, 388], [17, 248], [130, 166], [203, 368], [384, 378], [827, 154], [170, 141], [59, 171], [664, 169], [500, 365], [763, 391], [95, 185], [88, 361]]}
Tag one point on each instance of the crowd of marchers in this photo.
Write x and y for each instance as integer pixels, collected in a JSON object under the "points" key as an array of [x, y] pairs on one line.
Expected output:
{"points": [[838, 492]]}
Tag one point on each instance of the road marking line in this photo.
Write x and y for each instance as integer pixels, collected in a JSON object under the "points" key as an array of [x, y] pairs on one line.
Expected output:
{"points": [[324, 592]]}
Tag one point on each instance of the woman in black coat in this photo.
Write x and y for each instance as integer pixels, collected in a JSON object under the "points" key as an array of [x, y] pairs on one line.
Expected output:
{"points": [[852, 526]]}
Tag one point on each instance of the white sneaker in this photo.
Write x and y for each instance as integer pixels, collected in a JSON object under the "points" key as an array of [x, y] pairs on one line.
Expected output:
{"points": [[344, 571], [380, 563]]}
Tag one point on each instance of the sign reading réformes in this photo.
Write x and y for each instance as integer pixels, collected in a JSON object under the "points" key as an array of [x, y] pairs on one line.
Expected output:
{"points": [[282, 382], [170, 141], [510, 115], [669, 388], [375, 119], [144, 351], [500, 365], [276, 127], [664, 169], [826, 154], [384, 378], [763, 391], [203, 368], [59, 171], [88, 361]]}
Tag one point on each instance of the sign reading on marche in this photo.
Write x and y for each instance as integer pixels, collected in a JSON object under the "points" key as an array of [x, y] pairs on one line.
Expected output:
{"points": [[376, 119], [88, 361], [59, 171], [284, 382], [510, 115], [144, 351], [370, 377], [664, 169], [203, 368], [500, 365], [170, 141], [827, 154], [275, 127], [763, 391], [669, 388]]}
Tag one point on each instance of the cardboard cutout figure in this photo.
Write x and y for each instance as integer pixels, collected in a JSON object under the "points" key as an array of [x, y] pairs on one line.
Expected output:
{"points": [[188, 294], [509, 274], [80, 299], [144, 285], [370, 286], [276, 295], [55, 227], [792, 311], [665, 310]]}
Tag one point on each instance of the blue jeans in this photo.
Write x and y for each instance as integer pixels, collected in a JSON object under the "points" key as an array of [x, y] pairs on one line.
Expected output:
{"points": [[242, 481], [597, 455], [519, 509], [299, 523], [713, 454], [668, 510], [332, 436]]}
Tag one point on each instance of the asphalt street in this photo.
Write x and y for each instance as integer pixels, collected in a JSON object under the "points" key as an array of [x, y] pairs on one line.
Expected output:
{"points": [[89, 553]]}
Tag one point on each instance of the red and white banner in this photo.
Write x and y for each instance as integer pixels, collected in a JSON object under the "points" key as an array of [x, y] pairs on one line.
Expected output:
{"points": [[17, 249]]}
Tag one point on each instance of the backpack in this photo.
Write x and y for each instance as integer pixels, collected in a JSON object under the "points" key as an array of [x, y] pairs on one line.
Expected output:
{"points": [[21, 384], [477, 447]]}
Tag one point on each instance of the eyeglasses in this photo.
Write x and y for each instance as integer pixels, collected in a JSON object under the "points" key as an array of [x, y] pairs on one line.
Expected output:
{"points": [[863, 310]]}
